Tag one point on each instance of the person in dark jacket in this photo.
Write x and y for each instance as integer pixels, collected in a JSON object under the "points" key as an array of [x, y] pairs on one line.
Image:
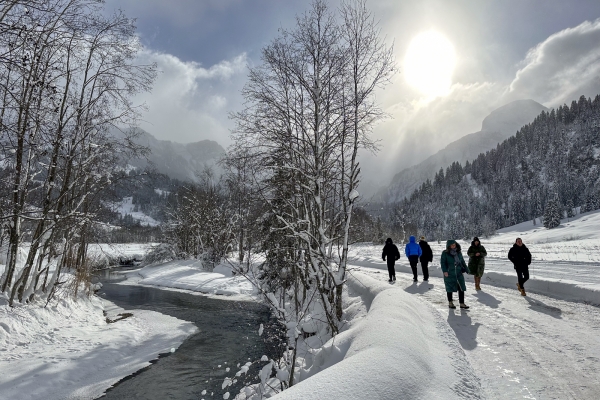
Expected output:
{"points": [[391, 252], [477, 254], [521, 258], [453, 266], [426, 257], [413, 252]]}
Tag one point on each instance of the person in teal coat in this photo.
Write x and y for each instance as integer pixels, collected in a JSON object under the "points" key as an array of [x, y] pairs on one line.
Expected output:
{"points": [[453, 265]]}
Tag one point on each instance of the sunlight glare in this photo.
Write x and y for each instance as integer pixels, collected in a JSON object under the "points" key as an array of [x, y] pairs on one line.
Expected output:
{"points": [[429, 64]]}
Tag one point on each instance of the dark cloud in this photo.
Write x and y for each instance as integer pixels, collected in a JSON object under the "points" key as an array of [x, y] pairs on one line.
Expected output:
{"points": [[208, 31]]}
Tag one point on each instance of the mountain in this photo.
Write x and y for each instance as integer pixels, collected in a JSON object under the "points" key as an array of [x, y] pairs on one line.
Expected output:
{"points": [[496, 127], [177, 160], [550, 168]]}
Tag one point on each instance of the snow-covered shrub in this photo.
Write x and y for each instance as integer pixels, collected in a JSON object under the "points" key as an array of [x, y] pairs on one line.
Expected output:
{"points": [[162, 253]]}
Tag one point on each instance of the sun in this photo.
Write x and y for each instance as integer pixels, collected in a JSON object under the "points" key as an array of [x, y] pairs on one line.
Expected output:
{"points": [[429, 64]]}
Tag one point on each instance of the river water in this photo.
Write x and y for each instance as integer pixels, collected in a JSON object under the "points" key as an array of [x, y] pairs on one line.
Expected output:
{"points": [[228, 335]]}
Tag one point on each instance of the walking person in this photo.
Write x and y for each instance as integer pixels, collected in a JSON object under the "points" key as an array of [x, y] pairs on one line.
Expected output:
{"points": [[477, 254], [391, 252], [413, 252], [453, 265], [426, 257], [521, 258]]}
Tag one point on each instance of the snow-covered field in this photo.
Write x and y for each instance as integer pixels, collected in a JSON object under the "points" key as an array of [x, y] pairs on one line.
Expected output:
{"points": [[67, 350]]}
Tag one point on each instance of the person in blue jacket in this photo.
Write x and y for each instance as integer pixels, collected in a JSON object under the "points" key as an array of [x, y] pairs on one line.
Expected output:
{"points": [[413, 252]]}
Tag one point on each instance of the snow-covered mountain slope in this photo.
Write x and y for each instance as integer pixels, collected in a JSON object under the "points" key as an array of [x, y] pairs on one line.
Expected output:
{"points": [[496, 127], [177, 160], [126, 207]]}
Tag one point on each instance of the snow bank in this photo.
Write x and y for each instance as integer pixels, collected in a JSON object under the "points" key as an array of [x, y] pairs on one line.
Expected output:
{"points": [[557, 288], [67, 349], [398, 347], [189, 275]]}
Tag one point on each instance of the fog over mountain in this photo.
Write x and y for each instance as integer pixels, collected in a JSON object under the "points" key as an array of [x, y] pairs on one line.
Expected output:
{"points": [[496, 127], [177, 160]]}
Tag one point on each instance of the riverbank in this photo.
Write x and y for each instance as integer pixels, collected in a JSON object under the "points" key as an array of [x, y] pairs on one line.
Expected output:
{"points": [[68, 350], [189, 276]]}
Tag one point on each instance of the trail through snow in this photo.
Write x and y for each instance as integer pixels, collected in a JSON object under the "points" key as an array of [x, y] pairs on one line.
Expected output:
{"points": [[533, 347]]}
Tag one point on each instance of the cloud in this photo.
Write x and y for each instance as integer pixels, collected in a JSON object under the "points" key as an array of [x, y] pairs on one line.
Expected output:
{"points": [[558, 70], [562, 67], [190, 102]]}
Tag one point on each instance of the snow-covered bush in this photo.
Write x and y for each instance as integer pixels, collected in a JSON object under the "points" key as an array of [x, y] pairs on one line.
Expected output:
{"points": [[162, 253]]}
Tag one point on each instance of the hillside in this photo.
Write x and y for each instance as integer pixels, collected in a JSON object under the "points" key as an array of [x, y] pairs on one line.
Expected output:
{"points": [[177, 160], [553, 160], [496, 127]]}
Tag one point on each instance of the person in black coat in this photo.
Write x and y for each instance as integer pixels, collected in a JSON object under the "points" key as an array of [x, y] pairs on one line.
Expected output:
{"points": [[521, 258], [426, 257], [391, 252]]}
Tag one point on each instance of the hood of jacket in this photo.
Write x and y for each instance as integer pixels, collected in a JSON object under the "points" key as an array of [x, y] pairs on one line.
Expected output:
{"points": [[450, 243], [388, 240], [412, 239], [517, 246]]}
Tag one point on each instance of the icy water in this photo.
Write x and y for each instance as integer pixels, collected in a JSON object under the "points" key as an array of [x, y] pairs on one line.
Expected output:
{"points": [[228, 335]]}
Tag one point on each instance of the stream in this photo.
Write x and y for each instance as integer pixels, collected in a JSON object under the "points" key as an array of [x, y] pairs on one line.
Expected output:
{"points": [[228, 335]]}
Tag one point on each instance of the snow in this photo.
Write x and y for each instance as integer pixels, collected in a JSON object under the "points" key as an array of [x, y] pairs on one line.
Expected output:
{"points": [[402, 340], [394, 347], [126, 251], [189, 275], [67, 350], [126, 207], [561, 267], [533, 347]]}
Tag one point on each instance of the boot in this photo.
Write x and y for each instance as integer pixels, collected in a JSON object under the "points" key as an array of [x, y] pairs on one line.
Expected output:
{"points": [[451, 305], [477, 283], [464, 306], [523, 292]]}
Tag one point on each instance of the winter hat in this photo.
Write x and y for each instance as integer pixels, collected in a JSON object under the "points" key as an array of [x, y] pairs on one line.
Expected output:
{"points": [[475, 239], [422, 238], [388, 240]]}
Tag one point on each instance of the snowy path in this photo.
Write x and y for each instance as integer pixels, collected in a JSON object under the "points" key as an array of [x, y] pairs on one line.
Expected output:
{"points": [[533, 347]]}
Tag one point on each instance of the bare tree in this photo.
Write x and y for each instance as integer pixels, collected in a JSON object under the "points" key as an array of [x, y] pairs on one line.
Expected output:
{"points": [[66, 78], [310, 107]]}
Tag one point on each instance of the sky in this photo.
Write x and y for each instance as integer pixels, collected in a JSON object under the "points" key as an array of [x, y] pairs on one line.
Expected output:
{"points": [[503, 50]]}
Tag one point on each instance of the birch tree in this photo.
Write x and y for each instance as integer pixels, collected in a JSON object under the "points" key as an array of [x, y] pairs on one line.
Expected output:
{"points": [[310, 108]]}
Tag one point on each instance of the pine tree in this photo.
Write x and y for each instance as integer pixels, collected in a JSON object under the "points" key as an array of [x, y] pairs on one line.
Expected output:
{"points": [[552, 214], [570, 207]]}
